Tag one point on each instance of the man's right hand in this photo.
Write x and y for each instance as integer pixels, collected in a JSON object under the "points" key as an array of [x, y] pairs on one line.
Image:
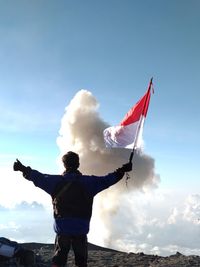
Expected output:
{"points": [[18, 166]]}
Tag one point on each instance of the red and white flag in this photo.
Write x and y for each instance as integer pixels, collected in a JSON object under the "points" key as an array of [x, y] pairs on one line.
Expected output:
{"points": [[128, 134]]}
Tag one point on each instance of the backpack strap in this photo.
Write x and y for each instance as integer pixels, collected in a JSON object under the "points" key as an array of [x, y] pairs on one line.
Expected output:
{"points": [[62, 191], [62, 188]]}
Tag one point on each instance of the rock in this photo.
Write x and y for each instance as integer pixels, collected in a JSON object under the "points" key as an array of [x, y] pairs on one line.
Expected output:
{"points": [[104, 257]]}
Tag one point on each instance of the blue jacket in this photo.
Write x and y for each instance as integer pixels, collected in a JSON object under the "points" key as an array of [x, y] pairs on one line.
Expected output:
{"points": [[91, 184]]}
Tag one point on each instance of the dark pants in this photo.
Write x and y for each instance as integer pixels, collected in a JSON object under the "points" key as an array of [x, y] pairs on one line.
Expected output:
{"points": [[63, 243]]}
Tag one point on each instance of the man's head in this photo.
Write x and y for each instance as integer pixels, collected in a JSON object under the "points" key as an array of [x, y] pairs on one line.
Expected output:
{"points": [[71, 161]]}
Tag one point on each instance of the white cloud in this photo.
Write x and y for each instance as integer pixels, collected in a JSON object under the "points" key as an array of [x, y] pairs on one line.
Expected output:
{"points": [[27, 223], [164, 230], [15, 189], [192, 209]]}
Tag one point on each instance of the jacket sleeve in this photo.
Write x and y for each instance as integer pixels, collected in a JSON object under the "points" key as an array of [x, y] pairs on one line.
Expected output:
{"points": [[46, 182], [100, 183]]}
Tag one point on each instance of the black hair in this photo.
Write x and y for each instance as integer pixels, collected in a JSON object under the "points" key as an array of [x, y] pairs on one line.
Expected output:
{"points": [[71, 160]]}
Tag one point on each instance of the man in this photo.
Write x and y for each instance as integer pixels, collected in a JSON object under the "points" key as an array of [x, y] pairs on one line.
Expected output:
{"points": [[72, 197]]}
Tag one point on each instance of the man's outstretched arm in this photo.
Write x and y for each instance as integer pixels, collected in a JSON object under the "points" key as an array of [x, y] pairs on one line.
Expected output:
{"points": [[98, 184], [46, 182]]}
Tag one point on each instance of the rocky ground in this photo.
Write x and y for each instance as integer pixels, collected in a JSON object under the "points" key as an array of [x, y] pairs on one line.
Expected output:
{"points": [[103, 257]]}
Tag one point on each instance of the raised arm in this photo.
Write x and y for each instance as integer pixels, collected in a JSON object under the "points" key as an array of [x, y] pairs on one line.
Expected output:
{"points": [[46, 182], [98, 184]]}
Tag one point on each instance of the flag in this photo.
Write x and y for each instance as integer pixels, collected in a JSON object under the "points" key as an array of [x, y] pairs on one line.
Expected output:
{"points": [[129, 132]]}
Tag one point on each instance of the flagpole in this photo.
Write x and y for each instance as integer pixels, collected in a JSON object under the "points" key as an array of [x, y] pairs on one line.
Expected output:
{"points": [[138, 128]]}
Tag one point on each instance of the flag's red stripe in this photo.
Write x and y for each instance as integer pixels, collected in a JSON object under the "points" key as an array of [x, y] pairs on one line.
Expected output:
{"points": [[146, 105], [140, 108]]}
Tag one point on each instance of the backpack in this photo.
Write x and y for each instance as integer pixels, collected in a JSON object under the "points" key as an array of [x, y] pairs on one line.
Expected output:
{"points": [[70, 199], [13, 254]]}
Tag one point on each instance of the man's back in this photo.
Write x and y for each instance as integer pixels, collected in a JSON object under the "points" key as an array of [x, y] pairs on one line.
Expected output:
{"points": [[71, 199]]}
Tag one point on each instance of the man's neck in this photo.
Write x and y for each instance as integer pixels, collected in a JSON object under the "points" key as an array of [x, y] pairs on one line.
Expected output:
{"points": [[71, 170]]}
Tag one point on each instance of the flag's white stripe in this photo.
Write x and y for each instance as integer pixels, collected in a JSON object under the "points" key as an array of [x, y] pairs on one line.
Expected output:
{"points": [[128, 136], [138, 137], [120, 136]]}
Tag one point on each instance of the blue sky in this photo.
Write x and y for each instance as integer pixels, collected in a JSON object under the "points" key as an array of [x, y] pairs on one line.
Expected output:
{"points": [[49, 50]]}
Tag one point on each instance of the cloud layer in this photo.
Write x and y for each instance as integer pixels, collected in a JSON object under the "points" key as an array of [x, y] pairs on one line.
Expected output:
{"points": [[27, 222]]}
